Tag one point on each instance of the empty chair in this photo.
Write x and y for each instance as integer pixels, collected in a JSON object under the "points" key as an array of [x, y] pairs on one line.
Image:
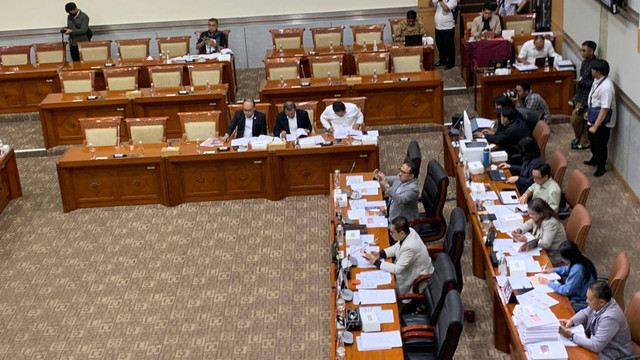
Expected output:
{"points": [[578, 188], [287, 38], [521, 24], [326, 65], [77, 81], [165, 76], [530, 117], [149, 130], [100, 131], [431, 225], [367, 34], [287, 68], [366, 63], [414, 156], [324, 37], [578, 226], [50, 53], [406, 59], [175, 46], [311, 107], [200, 74], [558, 164], [453, 244], [94, 50], [133, 48], [121, 78], [541, 135], [633, 319], [15, 55], [199, 125], [617, 278]]}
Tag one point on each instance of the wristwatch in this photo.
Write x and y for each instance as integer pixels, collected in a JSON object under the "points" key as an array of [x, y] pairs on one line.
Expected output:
{"points": [[571, 337]]}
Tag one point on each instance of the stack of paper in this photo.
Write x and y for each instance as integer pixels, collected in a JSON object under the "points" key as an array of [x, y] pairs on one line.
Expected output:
{"points": [[366, 187], [548, 350], [375, 297], [537, 326], [379, 340], [385, 316], [533, 266], [538, 299], [358, 253], [374, 221], [522, 67], [371, 279]]}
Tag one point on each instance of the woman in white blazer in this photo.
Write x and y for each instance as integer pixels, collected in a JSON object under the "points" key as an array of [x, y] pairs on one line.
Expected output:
{"points": [[545, 226]]}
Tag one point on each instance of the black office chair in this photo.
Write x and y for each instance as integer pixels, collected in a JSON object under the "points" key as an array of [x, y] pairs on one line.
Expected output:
{"points": [[431, 224], [414, 156], [530, 117], [453, 244], [439, 342]]}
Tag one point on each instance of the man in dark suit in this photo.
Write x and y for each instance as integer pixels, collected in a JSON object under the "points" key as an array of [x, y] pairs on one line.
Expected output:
{"points": [[290, 120], [77, 28], [248, 121]]}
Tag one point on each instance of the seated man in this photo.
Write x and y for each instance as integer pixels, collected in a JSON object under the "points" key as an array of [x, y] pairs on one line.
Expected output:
{"points": [[412, 257], [341, 114], [290, 120], [514, 129], [604, 322], [402, 190], [411, 26], [539, 47], [530, 100], [486, 22], [544, 187], [212, 40], [247, 121]]}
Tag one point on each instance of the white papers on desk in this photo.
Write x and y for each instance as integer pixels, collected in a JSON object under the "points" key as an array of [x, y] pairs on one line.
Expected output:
{"points": [[508, 197], [374, 221], [515, 282], [344, 132], [375, 133], [358, 253], [487, 195], [548, 350], [503, 245], [539, 299], [368, 191], [298, 134], [577, 330], [366, 239], [384, 316], [240, 142], [531, 264], [370, 184], [525, 67], [550, 276], [317, 139], [499, 211], [485, 123], [356, 214], [379, 340], [266, 138], [371, 280], [376, 203], [375, 297], [354, 179], [357, 204]]}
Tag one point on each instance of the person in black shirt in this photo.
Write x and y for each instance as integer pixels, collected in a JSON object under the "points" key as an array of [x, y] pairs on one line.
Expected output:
{"points": [[583, 86], [212, 40], [508, 138]]}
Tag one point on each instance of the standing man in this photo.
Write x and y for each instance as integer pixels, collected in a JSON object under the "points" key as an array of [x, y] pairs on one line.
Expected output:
{"points": [[402, 190], [445, 32], [410, 26], [412, 257], [248, 122], [511, 7], [290, 120], [77, 28], [600, 115], [341, 114], [212, 40], [530, 100], [487, 22], [583, 87]]}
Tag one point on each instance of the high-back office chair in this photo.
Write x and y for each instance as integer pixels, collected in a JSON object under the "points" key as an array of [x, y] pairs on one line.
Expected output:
{"points": [[133, 48], [121, 78], [367, 33], [199, 74], [77, 81], [288, 68], [578, 226], [287, 38], [100, 131], [225, 32], [149, 130], [324, 37], [366, 63], [94, 50], [431, 225], [617, 278], [406, 59], [633, 319], [175, 45], [199, 125], [393, 23], [541, 135], [414, 156], [50, 53], [15, 55], [165, 76], [322, 66], [521, 24], [530, 117], [453, 244], [264, 108], [311, 107], [578, 188], [558, 164], [466, 23]]}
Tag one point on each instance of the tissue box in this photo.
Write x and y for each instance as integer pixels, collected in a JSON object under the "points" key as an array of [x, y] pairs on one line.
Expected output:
{"points": [[306, 143], [259, 145], [511, 220], [277, 145], [354, 80], [353, 237], [499, 156], [501, 71], [518, 268], [476, 168], [130, 95], [170, 151], [369, 140], [472, 150], [370, 321]]}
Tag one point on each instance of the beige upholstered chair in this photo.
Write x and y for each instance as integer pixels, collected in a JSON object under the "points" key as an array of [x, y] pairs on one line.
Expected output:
{"points": [[121, 78], [406, 59], [100, 131], [150, 130], [50, 53], [311, 107], [393, 22], [360, 102], [326, 64], [287, 38], [77, 81], [323, 37], [367, 62], [288, 68], [133, 48], [521, 24], [201, 73], [368, 33], [94, 50], [264, 108], [176, 46], [199, 125], [165, 76], [15, 55]]}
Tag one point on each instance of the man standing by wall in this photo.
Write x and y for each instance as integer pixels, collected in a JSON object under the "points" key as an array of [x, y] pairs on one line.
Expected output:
{"points": [[600, 115], [583, 86], [77, 28], [445, 23]]}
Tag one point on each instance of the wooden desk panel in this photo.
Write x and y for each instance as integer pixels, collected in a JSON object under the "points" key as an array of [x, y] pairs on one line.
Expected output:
{"points": [[22, 88], [10, 187]]}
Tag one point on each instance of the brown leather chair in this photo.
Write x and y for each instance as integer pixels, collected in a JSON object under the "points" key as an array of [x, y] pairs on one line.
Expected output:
{"points": [[50, 53], [633, 319], [176, 45], [199, 125], [521, 24], [558, 164], [618, 277], [392, 25], [311, 107], [133, 48], [287, 38], [165, 76], [367, 62], [95, 50], [578, 226], [15, 55], [100, 131], [326, 64], [406, 59], [264, 108], [148, 130], [578, 188], [466, 23], [324, 37], [121, 78], [288, 68], [77, 81], [199, 74], [541, 134], [368, 33]]}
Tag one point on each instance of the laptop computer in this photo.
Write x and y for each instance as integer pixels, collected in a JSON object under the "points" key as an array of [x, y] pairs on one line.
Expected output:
{"points": [[413, 40], [540, 61], [497, 63]]}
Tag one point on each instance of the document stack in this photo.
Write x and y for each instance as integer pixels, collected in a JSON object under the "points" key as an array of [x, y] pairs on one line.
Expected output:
{"points": [[537, 325], [552, 350]]}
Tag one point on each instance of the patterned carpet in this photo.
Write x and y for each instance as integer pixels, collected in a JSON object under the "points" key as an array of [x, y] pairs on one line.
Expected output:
{"points": [[246, 279]]}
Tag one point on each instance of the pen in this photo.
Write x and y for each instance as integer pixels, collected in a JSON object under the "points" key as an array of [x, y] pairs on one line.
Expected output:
{"points": [[545, 266]]}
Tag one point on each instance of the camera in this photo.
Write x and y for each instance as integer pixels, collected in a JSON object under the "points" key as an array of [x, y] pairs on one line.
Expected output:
{"points": [[510, 93], [583, 108], [63, 30]]}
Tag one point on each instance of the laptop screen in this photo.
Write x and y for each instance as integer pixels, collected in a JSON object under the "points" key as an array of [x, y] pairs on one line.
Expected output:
{"points": [[413, 40]]}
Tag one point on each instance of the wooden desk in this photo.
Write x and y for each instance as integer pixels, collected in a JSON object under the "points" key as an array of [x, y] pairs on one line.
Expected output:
{"points": [[10, 187], [483, 50], [23, 87], [556, 87]]}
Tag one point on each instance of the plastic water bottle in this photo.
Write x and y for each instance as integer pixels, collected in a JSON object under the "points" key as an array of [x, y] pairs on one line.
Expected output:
{"points": [[281, 51], [509, 66], [328, 77], [364, 45], [375, 76], [340, 234], [467, 174], [486, 153], [375, 46], [208, 87], [336, 179], [331, 50], [198, 150], [141, 147], [153, 90], [502, 266], [546, 65], [281, 81]]}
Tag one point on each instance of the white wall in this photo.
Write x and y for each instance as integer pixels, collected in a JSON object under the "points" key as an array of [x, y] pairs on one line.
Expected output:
{"points": [[39, 14]]}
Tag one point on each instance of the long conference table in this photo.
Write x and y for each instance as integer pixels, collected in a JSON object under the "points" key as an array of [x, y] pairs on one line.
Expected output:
{"points": [[190, 177], [505, 334], [10, 187]]}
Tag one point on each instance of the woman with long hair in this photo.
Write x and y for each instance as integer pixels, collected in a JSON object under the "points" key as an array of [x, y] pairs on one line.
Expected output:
{"points": [[545, 226]]}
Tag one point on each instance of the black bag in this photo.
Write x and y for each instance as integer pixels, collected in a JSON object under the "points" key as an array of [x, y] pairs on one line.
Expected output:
{"points": [[89, 33]]}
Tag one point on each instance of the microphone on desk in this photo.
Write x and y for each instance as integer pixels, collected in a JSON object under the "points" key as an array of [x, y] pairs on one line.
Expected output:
{"points": [[345, 190], [352, 167], [304, 83]]}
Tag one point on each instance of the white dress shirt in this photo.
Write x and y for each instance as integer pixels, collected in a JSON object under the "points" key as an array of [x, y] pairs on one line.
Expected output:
{"points": [[530, 53], [508, 7], [293, 124], [602, 95], [353, 115], [248, 127], [444, 19]]}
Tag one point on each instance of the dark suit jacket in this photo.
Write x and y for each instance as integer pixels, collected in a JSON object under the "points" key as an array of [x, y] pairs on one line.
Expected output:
{"points": [[259, 124], [218, 36], [79, 25], [282, 123], [508, 138]]}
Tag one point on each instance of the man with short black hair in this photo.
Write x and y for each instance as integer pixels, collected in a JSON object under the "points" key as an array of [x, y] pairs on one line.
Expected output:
{"points": [[341, 114], [411, 26], [605, 324], [402, 190], [579, 100], [507, 138], [77, 28], [212, 40], [290, 120], [539, 47], [486, 22], [247, 122], [531, 100], [543, 187], [412, 257], [600, 115]]}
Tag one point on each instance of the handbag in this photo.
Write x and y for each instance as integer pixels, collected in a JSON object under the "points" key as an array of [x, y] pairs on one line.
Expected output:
{"points": [[592, 115]]}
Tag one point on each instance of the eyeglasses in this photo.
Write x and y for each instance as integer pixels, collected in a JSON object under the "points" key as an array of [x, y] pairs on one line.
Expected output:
{"points": [[404, 172], [537, 177]]}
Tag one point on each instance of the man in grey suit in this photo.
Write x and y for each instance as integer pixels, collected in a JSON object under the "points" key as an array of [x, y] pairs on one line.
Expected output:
{"points": [[77, 28], [402, 190], [604, 322], [412, 257]]}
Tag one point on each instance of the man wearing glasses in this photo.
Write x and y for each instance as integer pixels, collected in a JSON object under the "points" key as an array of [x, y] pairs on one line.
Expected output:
{"points": [[402, 190], [543, 187]]}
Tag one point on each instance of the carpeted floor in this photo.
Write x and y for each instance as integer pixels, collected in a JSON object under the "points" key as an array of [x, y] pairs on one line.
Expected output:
{"points": [[245, 279]]}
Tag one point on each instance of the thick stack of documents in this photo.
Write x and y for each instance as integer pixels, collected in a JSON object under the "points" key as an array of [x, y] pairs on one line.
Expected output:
{"points": [[549, 350], [564, 65], [379, 340], [537, 326]]}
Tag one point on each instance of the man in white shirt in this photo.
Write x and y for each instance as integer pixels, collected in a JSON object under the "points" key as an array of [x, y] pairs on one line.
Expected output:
{"points": [[510, 7], [341, 114], [536, 48], [445, 32], [601, 115]]}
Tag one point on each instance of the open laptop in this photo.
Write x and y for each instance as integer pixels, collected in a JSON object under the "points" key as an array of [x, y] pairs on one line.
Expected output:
{"points": [[413, 40], [540, 61], [497, 64]]}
